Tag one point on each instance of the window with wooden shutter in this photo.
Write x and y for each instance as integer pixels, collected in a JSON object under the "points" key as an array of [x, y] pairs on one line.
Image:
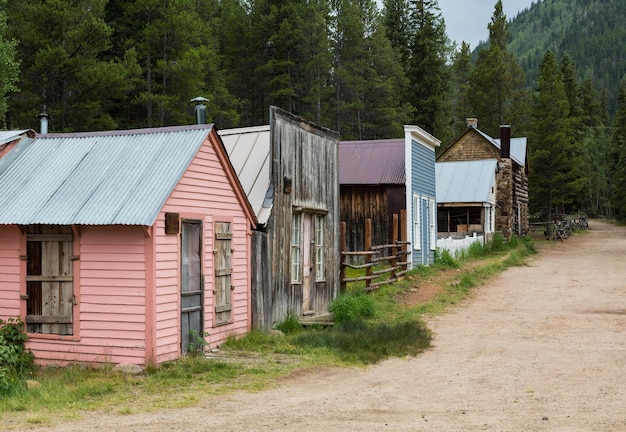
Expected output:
{"points": [[49, 279], [223, 272]]}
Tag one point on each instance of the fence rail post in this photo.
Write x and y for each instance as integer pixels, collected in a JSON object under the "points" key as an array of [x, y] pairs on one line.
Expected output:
{"points": [[403, 238], [343, 247], [368, 247], [394, 242]]}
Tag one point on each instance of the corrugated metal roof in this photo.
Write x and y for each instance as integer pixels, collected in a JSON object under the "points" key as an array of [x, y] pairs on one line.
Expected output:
{"points": [[97, 178], [249, 153], [8, 136], [465, 181], [518, 149], [372, 162]]}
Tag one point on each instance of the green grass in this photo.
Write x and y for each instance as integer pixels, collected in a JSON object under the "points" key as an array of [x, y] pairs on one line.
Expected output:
{"points": [[370, 327]]}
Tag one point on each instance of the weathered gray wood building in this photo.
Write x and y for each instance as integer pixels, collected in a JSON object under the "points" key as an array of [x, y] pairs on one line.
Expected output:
{"points": [[289, 170]]}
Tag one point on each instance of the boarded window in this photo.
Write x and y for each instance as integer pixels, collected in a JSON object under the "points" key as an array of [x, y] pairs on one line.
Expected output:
{"points": [[49, 279], [223, 272]]}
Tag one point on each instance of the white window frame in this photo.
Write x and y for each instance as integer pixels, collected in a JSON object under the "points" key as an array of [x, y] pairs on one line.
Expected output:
{"points": [[433, 224], [417, 233], [296, 248], [320, 267]]}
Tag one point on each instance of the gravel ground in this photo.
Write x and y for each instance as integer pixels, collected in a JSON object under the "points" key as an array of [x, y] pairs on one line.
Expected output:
{"points": [[539, 348]]}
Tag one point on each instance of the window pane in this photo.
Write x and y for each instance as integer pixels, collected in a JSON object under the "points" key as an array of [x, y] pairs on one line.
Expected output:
{"points": [[296, 228], [319, 248]]}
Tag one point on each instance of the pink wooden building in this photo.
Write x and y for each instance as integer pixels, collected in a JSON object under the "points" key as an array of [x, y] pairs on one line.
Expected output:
{"points": [[124, 246]]}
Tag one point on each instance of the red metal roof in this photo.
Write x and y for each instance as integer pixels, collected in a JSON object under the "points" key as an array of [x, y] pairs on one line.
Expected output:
{"points": [[371, 162]]}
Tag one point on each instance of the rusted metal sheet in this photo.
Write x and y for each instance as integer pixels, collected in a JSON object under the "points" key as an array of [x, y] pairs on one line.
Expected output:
{"points": [[372, 162]]}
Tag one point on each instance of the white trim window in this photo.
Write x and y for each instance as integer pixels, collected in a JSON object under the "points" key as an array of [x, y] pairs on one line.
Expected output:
{"points": [[417, 234], [296, 247], [319, 248], [432, 218]]}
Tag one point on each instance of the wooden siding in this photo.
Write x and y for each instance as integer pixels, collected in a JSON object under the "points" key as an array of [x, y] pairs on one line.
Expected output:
{"points": [[111, 295], [10, 246], [422, 184], [376, 202], [306, 179], [469, 146], [203, 193]]}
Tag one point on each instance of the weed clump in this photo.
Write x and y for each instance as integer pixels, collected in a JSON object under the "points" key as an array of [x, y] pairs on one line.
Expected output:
{"points": [[352, 306]]}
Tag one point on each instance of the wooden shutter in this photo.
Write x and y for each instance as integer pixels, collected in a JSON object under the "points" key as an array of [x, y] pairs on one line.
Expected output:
{"points": [[49, 279], [223, 272]]}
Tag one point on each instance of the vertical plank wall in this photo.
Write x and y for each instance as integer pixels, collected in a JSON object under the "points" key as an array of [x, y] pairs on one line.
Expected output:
{"points": [[204, 192], [110, 291]]}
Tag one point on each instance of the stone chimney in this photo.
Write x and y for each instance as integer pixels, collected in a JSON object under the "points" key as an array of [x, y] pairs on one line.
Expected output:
{"points": [[472, 121], [505, 142]]}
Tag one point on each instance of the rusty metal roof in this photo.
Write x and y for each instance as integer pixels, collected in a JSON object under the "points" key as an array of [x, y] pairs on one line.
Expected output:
{"points": [[96, 178], [249, 152], [372, 162]]}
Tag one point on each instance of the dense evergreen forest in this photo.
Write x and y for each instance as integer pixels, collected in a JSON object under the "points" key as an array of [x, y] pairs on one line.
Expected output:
{"points": [[554, 73]]}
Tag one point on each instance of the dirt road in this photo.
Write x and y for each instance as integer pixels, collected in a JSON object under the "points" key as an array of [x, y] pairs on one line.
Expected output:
{"points": [[540, 348]]}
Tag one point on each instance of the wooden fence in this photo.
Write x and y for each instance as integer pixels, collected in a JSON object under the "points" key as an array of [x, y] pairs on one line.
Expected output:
{"points": [[383, 264], [563, 226]]}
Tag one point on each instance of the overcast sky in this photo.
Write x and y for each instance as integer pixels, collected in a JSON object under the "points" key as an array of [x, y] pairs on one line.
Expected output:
{"points": [[467, 20]]}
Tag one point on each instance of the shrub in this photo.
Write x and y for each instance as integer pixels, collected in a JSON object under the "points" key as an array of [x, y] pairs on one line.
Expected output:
{"points": [[475, 250], [290, 324], [444, 259], [352, 306], [16, 362], [497, 244]]}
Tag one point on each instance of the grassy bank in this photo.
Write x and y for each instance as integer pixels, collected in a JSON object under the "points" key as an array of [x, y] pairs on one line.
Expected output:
{"points": [[369, 328]]}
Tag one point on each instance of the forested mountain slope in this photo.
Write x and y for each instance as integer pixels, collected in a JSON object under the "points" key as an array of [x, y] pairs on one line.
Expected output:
{"points": [[592, 32]]}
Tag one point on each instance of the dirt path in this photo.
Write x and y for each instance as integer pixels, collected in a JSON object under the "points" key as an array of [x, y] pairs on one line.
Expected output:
{"points": [[540, 348]]}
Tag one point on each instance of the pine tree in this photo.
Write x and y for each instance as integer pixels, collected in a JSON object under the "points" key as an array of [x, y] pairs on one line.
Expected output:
{"points": [[368, 76], [428, 72], [497, 93], [397, 24], [176, 47], [62, 49], [556, 178], [619, 144], [295, 64], [9, 66], [462, 68], [572, 87]]}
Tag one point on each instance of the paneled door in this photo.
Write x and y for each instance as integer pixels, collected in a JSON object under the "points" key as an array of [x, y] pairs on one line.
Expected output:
{"points": [[192, 286]]}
